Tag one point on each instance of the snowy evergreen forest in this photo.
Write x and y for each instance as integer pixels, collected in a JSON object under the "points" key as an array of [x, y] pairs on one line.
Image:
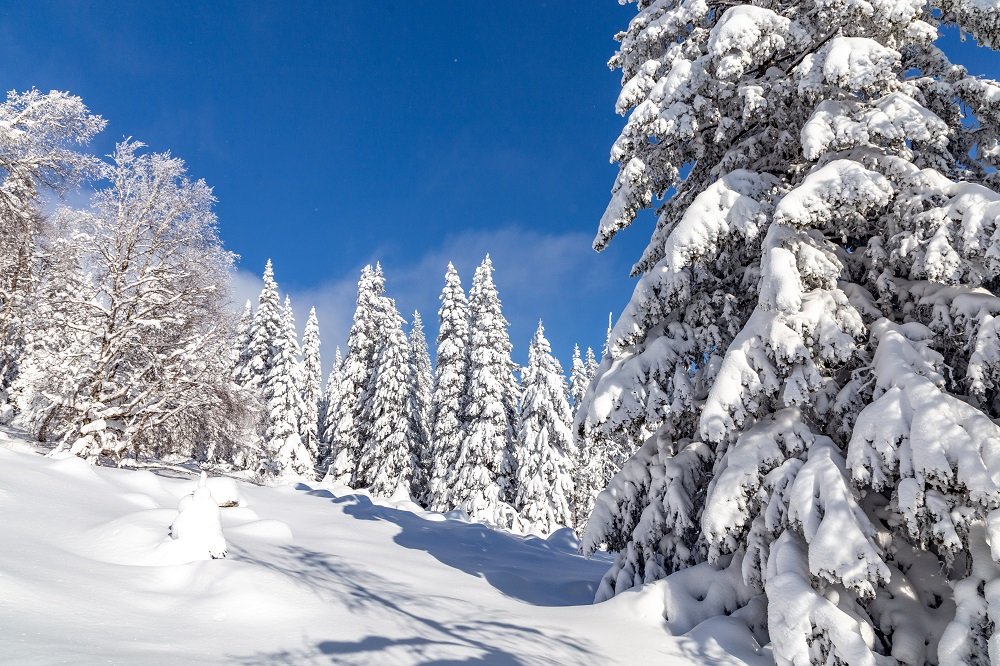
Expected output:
{"points": [[119, 346], [790, 442]]}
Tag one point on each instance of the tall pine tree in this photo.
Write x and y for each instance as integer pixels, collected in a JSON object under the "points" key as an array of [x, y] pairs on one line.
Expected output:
{"points": [[369, 327], [390, 437], [483, 478], [447, 414], [578, 380], [244, 331], [265, 329], [311, 374], [809, 354], [288, 456], [421, 379], [545, 452], [328, 409]]}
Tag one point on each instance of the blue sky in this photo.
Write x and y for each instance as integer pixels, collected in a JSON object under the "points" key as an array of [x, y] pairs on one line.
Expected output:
{"points": [[338, 133]]}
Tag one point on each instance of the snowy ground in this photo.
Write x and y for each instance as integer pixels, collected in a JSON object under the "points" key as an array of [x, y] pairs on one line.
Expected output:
{"points": [[314, 575]]}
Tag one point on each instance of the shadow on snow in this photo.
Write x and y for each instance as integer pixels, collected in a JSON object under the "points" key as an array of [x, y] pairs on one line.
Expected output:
{"points": [[531, 569], [365, 592]]}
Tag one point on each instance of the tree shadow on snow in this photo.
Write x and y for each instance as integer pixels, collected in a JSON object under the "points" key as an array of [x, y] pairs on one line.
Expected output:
{"points": [[537, 571], [422, 637]]}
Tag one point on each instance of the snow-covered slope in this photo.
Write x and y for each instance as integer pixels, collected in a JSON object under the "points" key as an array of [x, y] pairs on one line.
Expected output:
{"points": [[325, 575]]}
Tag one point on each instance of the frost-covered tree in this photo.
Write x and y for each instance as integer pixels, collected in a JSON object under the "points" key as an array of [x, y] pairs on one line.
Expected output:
{"points": [[482, 483], [391, 437], [578, 380], [421, 385], [590, 364], [369, 328], [544, 453], [255, 362], [448, 399], [244, 332], [807, 366], [311, 376], [288, 456], [40, 134], [290, 334], [328, 409], [147, 372]]}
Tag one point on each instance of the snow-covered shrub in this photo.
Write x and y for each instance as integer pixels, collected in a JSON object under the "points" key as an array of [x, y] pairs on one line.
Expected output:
{"points": [[807, 370], [198, 525]]}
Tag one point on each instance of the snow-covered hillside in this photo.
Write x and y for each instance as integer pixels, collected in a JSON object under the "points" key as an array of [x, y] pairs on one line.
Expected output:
{"points": [[314, 575]]}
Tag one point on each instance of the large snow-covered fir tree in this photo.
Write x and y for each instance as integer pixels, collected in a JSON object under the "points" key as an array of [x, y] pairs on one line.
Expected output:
{"points": [[311, 377], [448, 399], [483, 479], [421, 385], [369, 328], [810, 354], [544, 453], [391, 438], [288, 456]]}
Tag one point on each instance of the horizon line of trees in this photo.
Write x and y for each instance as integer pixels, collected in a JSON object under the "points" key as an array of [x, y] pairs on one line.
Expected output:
{"points": [[462, 433]]}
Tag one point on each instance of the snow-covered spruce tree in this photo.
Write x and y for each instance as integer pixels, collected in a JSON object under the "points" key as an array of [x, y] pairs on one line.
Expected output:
{"points": [[287, 455], [448, 399], [328, 409], [810, 352], [266, 329], [391, 434], [597, 459], [150, 360], [39, 136], [421, 385], [363, 341], [244, 333], [483, 479], [544, 453], [590, 364], [311, 374], [578, 380]]}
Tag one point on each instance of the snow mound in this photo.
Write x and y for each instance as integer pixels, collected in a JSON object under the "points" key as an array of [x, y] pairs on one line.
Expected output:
{"points": [[224, 491], [198, 527]]}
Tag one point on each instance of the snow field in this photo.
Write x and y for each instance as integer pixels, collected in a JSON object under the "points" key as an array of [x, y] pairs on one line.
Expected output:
{"points": [[88, 574]]}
